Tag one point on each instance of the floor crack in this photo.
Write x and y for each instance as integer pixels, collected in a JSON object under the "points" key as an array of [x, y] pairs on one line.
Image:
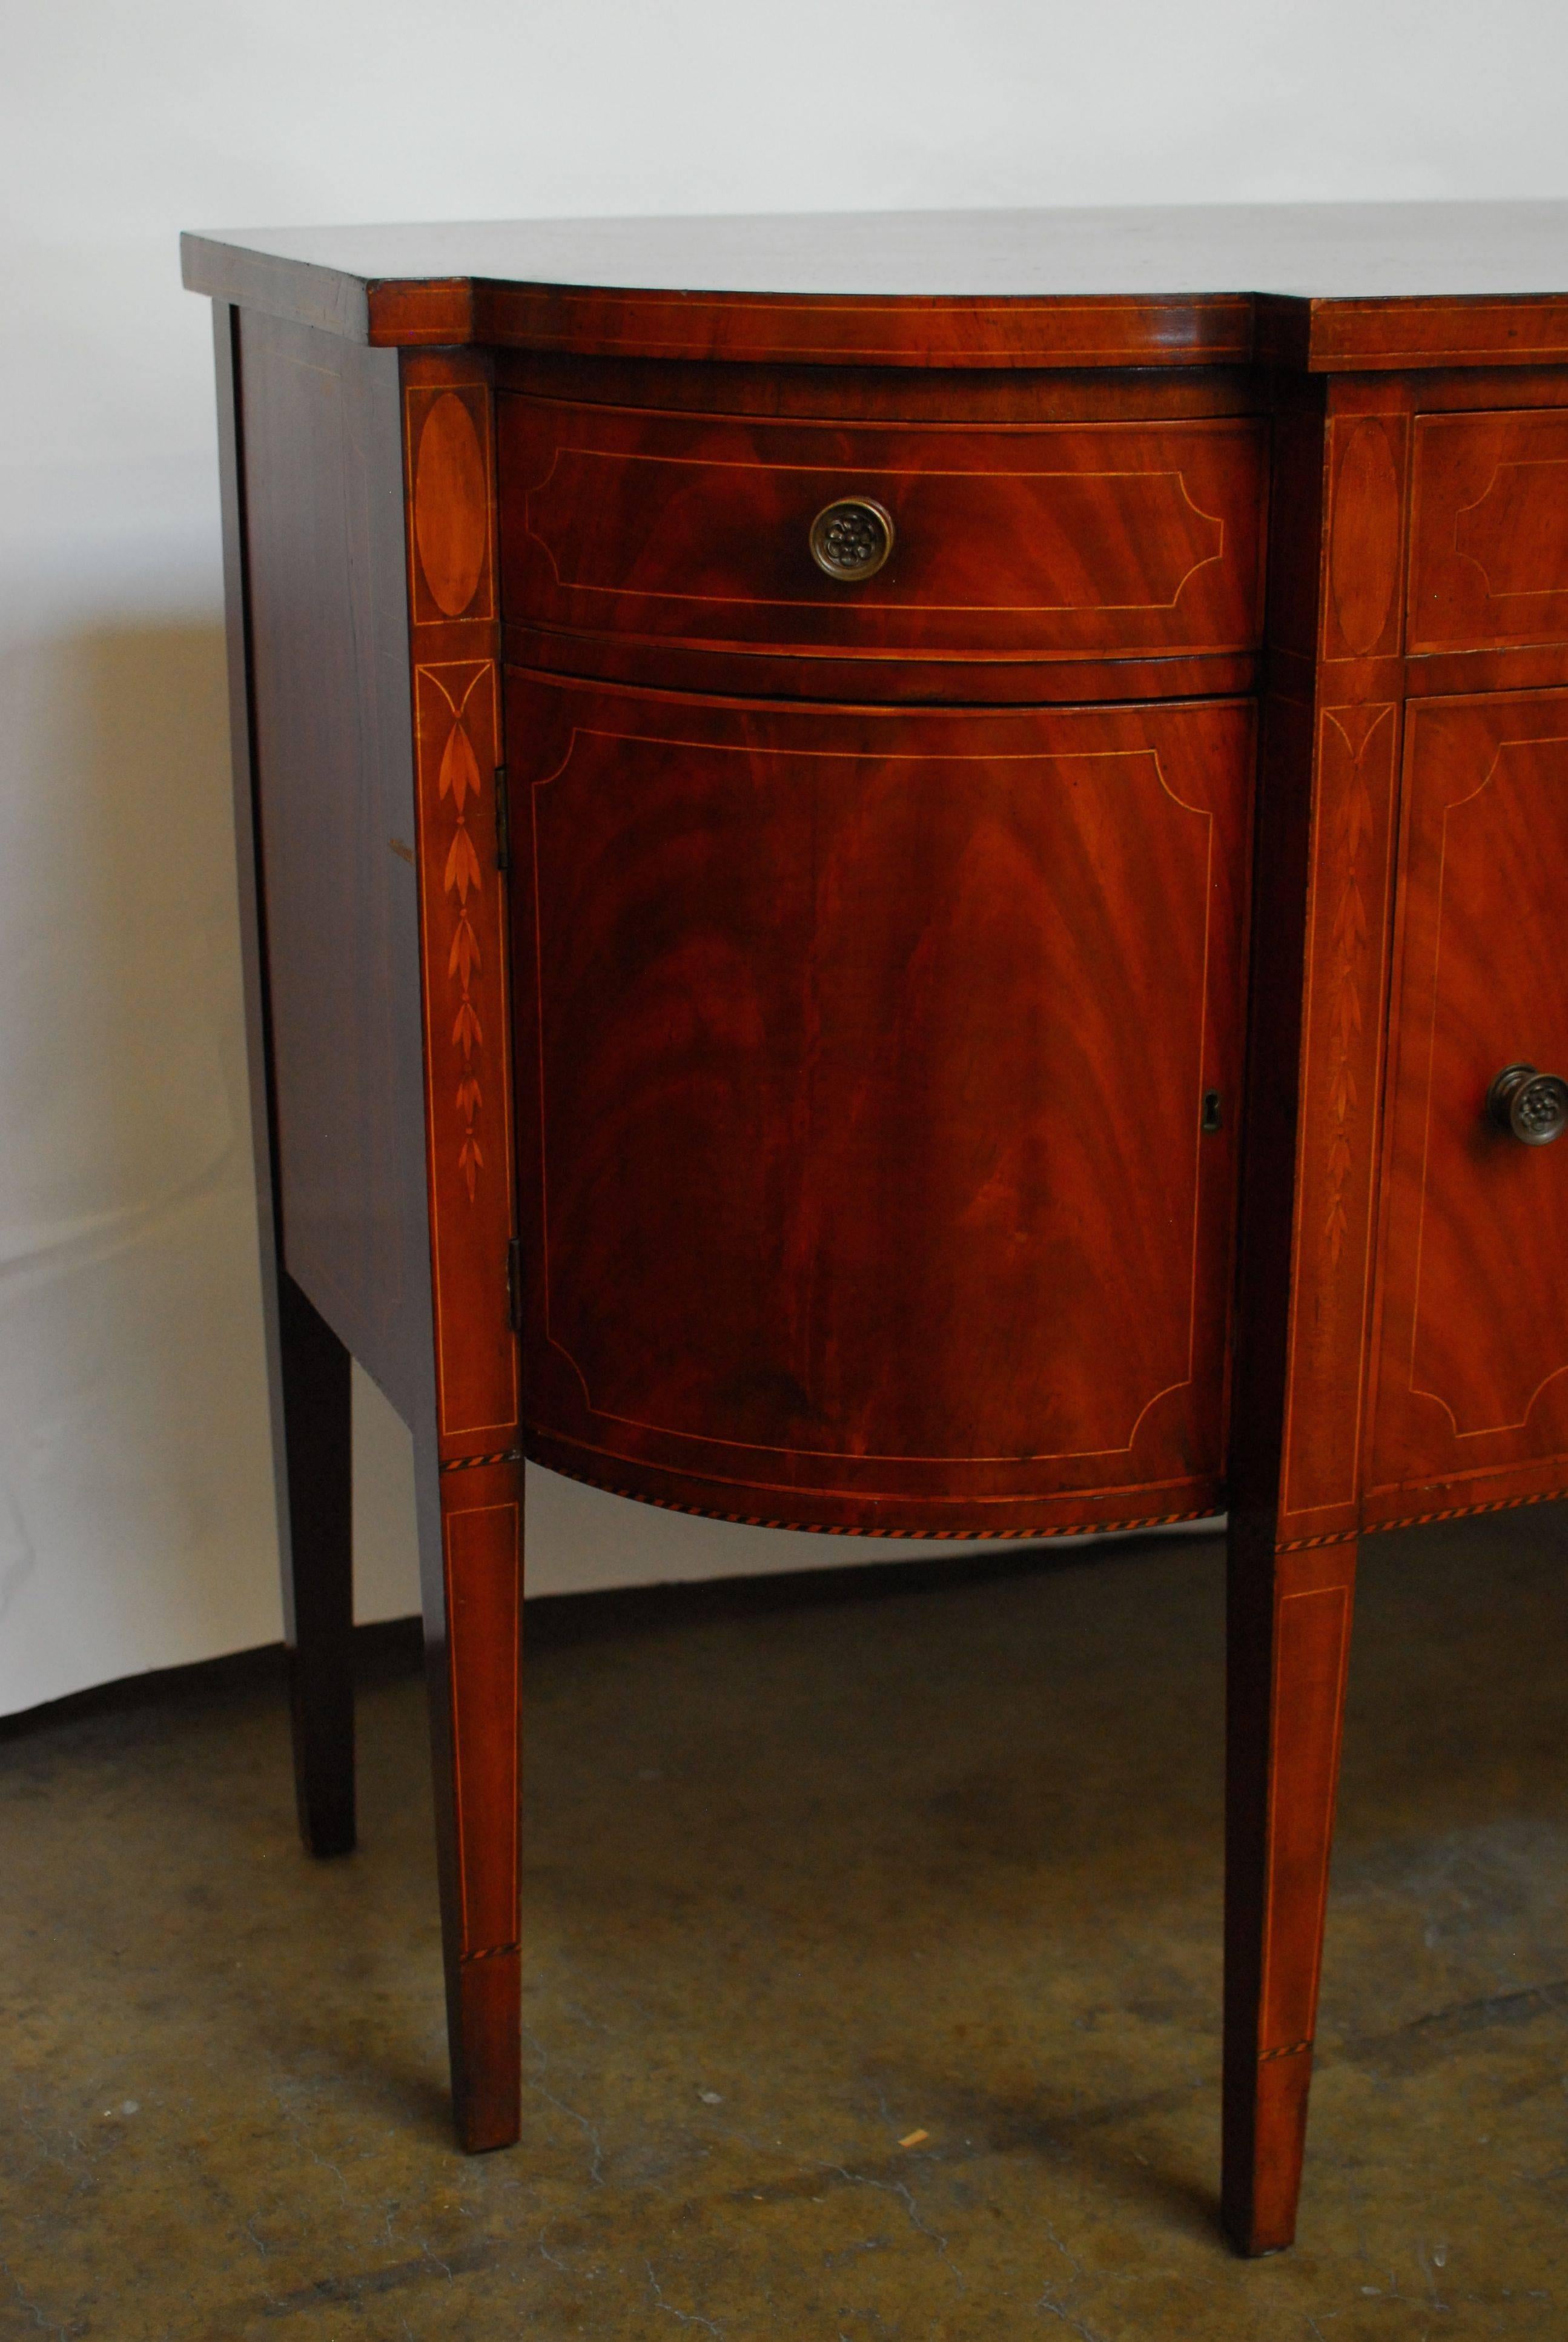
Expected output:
{"points": [[905, 2195], [686, 2317]]}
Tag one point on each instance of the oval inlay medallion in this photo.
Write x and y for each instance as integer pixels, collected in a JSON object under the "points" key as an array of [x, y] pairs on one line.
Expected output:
{"points": [[451, 505], [1363, 549]]}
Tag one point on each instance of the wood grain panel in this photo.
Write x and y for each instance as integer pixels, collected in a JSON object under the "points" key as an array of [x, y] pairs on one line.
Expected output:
{"points": [[1053, 540], [865, 1151], [1489, 555], [1472, 1377]]}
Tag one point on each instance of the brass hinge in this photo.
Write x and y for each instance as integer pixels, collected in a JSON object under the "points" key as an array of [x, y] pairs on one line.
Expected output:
{"points": [[514, 1284], [502, 822]]}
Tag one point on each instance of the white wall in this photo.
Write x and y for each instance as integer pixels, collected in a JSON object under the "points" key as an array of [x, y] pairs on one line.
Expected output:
{"points": [[135, 1495]]}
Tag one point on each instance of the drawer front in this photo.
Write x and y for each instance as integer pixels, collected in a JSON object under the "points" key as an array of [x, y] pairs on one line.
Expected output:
{"points": [[1489, 551], [862, 1066], [1046, 541], [1472, 1372]]}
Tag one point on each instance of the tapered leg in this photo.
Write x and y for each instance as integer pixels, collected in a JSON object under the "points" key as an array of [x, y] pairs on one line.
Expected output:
{"points": [[1322, 912], [312, 1440], [471, 1553], [1290, 1615]]}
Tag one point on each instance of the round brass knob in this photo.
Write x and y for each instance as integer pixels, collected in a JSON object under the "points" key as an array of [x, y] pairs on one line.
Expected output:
{"points": [[1533, 1106], [851, 539]]}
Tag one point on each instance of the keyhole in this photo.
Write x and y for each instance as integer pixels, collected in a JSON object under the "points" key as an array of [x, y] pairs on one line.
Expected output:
{"points": [[1213, 1115]]}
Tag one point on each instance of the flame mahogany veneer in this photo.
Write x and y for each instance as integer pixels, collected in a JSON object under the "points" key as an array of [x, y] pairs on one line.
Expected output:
{"points": [[995, 1049]]}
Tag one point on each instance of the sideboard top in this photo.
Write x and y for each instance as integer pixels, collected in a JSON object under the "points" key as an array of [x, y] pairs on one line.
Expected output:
{"points": [[1327, 287]]}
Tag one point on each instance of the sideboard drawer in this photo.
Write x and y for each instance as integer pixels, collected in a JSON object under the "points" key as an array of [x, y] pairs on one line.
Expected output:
{"points": [[1040, 541], [1489, 551], [878, 1097], [1472, 1381]]}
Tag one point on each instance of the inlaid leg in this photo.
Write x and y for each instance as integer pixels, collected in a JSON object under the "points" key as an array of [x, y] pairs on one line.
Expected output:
{"points": [[471, 1552], [1290, 1616], [314, 1468]]}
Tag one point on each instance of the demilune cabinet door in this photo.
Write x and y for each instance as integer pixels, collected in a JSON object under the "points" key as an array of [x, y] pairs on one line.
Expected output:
{"points": [[1471, 1382], [862, 1066]]}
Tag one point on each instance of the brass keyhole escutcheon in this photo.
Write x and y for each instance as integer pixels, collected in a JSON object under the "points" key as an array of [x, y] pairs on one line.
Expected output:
{"points": [[1531, 1107], [851, 538]]}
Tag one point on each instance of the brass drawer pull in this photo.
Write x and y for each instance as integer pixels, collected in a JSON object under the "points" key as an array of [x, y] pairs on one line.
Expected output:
{"points": [[851, 539], [1533, 1106]]}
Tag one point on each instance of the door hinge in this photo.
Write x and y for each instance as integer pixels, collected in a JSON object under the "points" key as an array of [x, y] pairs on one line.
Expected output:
{"points": [[503, 821], [514, 1284]]}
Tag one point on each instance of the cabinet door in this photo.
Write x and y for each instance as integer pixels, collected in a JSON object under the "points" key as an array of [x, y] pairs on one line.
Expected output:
{"points": [[1473, 1367], [863, 1058]]}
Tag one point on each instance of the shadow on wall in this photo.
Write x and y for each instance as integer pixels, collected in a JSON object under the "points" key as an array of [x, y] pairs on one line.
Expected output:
{"points": [[135, 1525]]}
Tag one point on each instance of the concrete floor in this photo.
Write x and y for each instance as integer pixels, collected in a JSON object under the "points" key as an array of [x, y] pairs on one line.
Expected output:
{"points": [[814, 1865]]}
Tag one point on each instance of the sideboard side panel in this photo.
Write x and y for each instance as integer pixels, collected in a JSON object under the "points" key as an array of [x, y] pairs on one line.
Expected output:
{"points": [[334, 818]]}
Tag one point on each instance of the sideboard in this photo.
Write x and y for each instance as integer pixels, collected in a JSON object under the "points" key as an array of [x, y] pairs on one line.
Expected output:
{"points": [[902, 874]]}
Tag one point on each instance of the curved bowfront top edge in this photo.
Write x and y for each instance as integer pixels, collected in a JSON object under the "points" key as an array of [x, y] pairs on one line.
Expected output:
{"points": [[1329, 286]]}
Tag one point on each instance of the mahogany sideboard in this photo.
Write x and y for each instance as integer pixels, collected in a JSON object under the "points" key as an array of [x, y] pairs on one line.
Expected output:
{"points": [[904, 875]]}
